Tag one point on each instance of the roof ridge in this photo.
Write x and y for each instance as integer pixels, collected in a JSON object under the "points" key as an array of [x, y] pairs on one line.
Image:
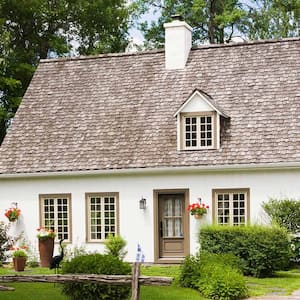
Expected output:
{"points": [[105, 55], [147, 52], [247, 43]]}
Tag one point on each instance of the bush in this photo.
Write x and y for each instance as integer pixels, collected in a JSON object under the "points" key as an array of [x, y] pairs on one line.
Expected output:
{"points": [[284, 212], [5, 242], [262, 250], [295, 246], [115, 246], [96, 264], [190, 271], [216, 276]]}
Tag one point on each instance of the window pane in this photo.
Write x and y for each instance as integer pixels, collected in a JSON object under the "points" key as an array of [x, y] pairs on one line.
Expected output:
{"points": [[231, 208], [103, 212], [58, 218]]}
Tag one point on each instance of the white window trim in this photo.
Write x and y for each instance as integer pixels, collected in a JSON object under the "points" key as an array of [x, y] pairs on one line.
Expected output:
{"points": [[215, 132]]}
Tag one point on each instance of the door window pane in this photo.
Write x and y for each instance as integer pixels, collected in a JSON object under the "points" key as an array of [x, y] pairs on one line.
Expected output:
{"points": [[172, 217]]}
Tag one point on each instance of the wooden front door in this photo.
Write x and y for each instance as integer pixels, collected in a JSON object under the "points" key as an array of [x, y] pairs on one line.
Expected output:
{"points": [[172, 225]]}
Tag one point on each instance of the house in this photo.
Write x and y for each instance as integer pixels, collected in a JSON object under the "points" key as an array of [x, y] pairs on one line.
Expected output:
{"points": [[97, 137]]}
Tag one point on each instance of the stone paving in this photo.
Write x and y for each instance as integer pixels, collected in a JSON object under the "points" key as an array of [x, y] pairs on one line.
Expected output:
{"points": [[294, 296]]}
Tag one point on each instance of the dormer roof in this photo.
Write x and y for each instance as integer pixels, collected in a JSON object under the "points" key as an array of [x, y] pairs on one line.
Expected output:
{"points": [[199, 101]]}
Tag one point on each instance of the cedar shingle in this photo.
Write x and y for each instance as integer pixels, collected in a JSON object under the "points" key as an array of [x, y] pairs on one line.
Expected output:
{"points": [[116, 111]]}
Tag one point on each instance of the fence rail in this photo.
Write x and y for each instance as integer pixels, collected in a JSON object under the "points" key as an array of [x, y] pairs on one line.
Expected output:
{"points": [[135, 280]]}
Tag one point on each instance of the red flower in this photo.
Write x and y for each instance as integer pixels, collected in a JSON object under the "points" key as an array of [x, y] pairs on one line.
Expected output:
{"points": [[197, 208]]}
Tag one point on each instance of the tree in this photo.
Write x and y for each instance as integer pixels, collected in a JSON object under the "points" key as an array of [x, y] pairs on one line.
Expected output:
{"points": [[217, 21], [35, 29], [284, 212], [213, 21], [273, 19]]}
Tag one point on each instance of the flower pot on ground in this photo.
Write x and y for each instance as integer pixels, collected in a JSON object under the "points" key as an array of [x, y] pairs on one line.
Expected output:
{"points": [[19, 258], [46, 246], [19, 263]]}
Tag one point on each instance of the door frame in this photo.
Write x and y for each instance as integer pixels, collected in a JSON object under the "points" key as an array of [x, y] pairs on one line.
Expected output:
{"points": [[186, 225]]}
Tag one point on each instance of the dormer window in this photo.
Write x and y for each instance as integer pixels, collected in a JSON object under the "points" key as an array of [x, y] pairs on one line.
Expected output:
{"points": [[198, 122], [199, 131]]}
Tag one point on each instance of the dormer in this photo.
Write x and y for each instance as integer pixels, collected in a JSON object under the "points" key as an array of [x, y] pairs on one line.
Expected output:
{"points": [[198, 123]]}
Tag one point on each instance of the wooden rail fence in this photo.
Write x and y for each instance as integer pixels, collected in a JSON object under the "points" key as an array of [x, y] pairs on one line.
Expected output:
{"points": [[135, 280]]}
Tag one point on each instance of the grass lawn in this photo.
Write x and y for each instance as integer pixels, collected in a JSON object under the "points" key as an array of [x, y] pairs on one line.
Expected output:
{"points": [[285, 282]]}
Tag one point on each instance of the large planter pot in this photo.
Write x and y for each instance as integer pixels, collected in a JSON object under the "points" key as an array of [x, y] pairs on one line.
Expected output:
{"points": [[46, 252], [19, 263]]}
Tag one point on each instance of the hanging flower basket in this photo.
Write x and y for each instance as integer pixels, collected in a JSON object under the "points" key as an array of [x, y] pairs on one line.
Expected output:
{"points": [[197, 216], [12, 214], [198, 209]]}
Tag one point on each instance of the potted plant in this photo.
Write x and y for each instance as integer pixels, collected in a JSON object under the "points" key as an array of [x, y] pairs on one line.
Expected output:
{"points": [[46, 238], [198, 209], [12, 214], [19, 255]]}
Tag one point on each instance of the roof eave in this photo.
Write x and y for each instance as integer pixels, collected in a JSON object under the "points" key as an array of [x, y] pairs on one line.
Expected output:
{"points": [[160, 170]]}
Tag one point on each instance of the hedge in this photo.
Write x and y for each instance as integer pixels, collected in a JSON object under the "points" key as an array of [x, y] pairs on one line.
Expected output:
{"points": [[262, 250], [96, 264]]}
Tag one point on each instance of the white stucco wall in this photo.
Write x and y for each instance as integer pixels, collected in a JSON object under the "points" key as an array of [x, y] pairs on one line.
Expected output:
{"points": [[136, 225]]}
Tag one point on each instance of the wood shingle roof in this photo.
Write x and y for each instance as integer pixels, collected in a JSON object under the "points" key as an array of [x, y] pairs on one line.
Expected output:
{"points": [[117, 111]]}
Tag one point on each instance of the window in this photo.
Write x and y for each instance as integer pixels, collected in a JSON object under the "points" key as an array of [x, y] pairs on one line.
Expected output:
{"points": [[231, 206], [199, 131], [55, 214], [102, 215]]}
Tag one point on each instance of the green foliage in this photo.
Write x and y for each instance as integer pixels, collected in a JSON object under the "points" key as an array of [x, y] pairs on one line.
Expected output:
{"points": [[272, 19], [190, 271], [262, 250], [19, 253], [216, 276], [216, 21], [115, 245], [35, 29], [96, 264], [295, 246], [212, 21], [5, 242], [284, 212]]}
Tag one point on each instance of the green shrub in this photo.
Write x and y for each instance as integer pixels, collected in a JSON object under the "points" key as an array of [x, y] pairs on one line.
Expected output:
{"points": [[295, 246], [5, 242], [262, 250], [216, 276], [115, 246], [96, 264], [189, 271], [284, 212]]}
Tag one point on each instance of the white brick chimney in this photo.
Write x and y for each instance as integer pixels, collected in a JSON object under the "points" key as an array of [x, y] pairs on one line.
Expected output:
{"points": [[178, 43]]}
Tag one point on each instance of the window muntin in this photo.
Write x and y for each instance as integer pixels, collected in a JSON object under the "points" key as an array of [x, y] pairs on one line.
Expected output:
{"points": [[55, 214], [102, 218], [231, 207], [199, 131]]}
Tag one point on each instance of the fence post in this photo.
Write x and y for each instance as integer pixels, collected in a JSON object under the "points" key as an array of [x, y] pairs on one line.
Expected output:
{"points": [[135, 288]]}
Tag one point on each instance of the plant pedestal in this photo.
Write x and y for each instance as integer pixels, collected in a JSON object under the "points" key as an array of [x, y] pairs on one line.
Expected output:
{"points": [[46, 248], [19, 263]]}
